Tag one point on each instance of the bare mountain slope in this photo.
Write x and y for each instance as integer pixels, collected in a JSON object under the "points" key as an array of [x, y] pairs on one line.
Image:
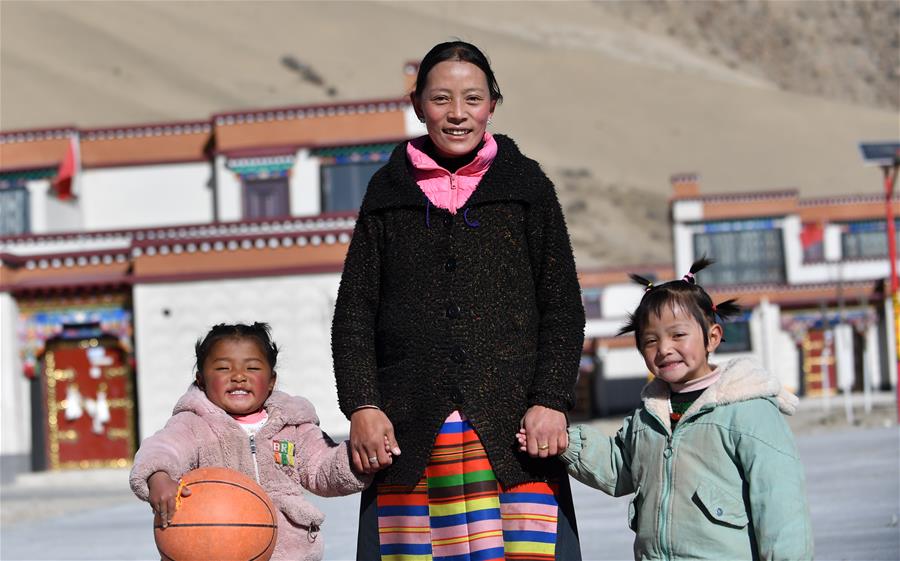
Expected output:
{"points": [[611, 98]]}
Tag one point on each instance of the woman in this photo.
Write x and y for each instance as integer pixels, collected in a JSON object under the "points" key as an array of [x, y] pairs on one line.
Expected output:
{"points": [[458, 321]]}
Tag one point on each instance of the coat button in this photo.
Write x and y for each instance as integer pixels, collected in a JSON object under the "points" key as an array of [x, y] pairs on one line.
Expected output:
{"points": [[452, 311], [450, 265], [457, 355], [719, 511]]}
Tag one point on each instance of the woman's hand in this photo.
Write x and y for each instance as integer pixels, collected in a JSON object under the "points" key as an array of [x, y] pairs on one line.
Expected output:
{"points": [[163, 492], [543, 432], [372, 441]]}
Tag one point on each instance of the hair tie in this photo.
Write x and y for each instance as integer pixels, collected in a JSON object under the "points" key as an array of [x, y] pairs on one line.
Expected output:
{"points": [[715, 311], [689, 278], [649, 286]]}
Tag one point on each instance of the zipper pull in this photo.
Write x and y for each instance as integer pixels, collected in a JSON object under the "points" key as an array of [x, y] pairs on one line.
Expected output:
{"points": [[667, 453], [253, 444]]}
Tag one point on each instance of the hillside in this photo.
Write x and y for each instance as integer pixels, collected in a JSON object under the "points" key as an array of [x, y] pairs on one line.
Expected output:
{"points": [[611, 97]]}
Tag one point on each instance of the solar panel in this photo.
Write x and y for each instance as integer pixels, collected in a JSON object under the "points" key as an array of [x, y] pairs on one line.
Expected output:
{"points": [[880, 153]]}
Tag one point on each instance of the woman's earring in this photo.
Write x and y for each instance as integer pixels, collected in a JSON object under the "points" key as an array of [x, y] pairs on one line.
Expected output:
{"points": [[489, 121]]}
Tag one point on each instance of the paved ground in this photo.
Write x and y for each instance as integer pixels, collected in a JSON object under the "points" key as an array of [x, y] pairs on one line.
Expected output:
{"points": [[852, 473]]}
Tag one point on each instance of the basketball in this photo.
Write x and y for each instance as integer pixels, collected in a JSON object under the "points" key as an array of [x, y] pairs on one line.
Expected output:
{"points": [[227, 517]]}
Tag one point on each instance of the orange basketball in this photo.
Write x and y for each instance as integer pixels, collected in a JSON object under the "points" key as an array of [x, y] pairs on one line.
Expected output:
{"points": [[227, 517]]}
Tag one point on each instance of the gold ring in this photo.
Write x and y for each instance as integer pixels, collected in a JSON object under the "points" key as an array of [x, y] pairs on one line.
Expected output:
{"points": [[543, 446]]}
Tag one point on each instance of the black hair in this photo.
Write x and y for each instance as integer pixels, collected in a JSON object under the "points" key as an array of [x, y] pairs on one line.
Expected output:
{"points": [[258, 332], [461, 51], [686, 294]]}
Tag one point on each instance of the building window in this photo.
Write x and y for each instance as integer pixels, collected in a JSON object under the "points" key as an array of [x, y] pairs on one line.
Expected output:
{"points": [[590, 297], [866, 239], [14, 210], [737, 335], [343, 185], [266, 198], [746, 252], [345, 172]]}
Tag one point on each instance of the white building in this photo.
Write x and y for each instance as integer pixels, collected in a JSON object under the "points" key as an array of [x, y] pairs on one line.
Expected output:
{"points": [[811, 274], [171, 228]]}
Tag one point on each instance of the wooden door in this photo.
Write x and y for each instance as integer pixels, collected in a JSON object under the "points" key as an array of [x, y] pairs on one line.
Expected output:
{"points": [[89, 404], [818, 362]]}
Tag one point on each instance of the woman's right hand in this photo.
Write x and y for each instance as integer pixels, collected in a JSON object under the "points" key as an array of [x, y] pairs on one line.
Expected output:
{"points": [[372, 441], [163, 492]]}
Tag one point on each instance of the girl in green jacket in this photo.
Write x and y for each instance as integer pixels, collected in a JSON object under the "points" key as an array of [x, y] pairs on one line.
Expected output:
{"points": [[710, 460]]}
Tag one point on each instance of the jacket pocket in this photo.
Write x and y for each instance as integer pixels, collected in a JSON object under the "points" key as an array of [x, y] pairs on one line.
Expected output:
{"points": [[721, 507], [634, 509]]}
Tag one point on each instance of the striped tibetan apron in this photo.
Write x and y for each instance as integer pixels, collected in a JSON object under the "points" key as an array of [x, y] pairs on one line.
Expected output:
{"points": [[458, 512]]}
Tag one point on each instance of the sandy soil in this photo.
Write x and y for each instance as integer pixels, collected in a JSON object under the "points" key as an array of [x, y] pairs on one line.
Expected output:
{"points": [[608, 105]]}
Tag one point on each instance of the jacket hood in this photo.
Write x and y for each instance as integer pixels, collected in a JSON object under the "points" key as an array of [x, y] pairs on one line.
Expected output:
{"points": [[288, 409], [740, 379]]}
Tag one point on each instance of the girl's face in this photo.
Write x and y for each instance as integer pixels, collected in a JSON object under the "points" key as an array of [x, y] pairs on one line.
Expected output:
{"points": [[672, 345], [236, 376], [456, 105]]}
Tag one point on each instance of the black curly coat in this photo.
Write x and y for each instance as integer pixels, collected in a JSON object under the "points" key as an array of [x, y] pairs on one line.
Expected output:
{"points": [[479, 311]]}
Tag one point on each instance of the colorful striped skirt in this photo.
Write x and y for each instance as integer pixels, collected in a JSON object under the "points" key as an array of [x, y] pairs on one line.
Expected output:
{"points": [[459, 512]]}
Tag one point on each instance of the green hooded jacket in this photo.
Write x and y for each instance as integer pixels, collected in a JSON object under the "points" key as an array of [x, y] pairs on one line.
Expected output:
{"points": [[727, 483]]}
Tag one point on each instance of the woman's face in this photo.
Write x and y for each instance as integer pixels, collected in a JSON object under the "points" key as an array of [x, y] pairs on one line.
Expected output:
{"points": [[456, 105]]}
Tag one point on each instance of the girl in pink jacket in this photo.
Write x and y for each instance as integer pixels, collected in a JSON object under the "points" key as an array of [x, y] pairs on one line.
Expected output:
{"points": [[231, 417]]}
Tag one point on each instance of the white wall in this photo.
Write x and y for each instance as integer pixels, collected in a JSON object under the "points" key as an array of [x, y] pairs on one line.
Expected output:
{"points": [[38, 192], [63, 216], [623, 363], [306, 192], [146, 196], [15, 413], [298, 308], [412, 124], [228, 185]]}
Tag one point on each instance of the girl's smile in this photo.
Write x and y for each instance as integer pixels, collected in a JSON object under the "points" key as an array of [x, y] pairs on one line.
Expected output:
{"points": [[236, 376], [673, 348]]}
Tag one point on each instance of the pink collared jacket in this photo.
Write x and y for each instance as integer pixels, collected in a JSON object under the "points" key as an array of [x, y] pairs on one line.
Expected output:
{"points": [[444, 189], [201, 434]]}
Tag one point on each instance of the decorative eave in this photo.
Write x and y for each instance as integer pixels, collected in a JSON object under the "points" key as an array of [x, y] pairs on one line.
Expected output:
{"points": [[147, 144], [600, 277], [311, 125], [299, 112], [29, 244], [105, 269], [181, 254], [846, 208], [730, 206], [796, 295], [261, 255], [33, 149], [743, 197]]}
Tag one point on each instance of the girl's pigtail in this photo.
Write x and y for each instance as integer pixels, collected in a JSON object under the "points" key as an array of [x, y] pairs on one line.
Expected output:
{"points": [[629, 326], [646, 283], [727, 309], [701, 264]]}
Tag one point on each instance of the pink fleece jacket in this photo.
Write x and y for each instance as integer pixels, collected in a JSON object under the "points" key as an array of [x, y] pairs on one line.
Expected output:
{"points": [[200, 434], [444, 189]]}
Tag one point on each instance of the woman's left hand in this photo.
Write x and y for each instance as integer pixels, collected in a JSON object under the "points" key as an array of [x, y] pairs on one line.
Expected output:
{"points": [[545, 432]]}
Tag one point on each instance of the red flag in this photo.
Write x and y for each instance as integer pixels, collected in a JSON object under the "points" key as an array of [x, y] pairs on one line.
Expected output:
{"points": [[812, 234], [68, 169]]}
